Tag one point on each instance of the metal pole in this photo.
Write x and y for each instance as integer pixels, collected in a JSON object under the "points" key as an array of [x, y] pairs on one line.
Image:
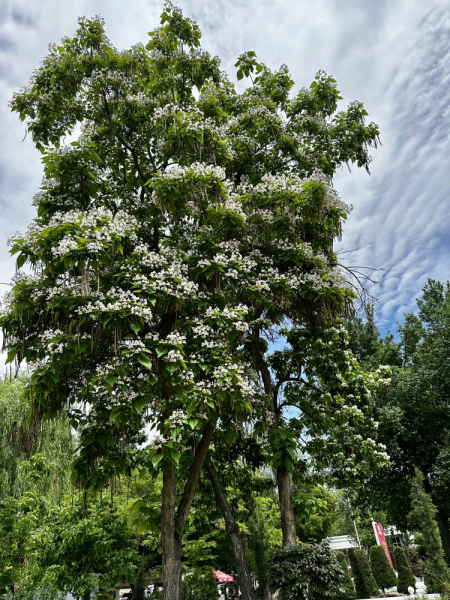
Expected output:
{"points": [[354, 523]]}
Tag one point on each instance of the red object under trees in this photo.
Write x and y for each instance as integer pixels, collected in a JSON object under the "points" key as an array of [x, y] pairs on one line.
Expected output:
{"points": [[222, 577]]}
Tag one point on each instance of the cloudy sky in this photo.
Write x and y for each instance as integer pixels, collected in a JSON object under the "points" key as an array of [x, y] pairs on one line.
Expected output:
{"points": [[394, 55]]}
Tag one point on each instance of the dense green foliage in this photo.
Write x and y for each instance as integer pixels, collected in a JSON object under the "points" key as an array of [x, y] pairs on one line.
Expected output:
{"points": [[422, 518], [349, 592], [382, 571], [315, 512], [365, 584], [199, 584], [139, 586], [34, 475], [34, 456], [416, 402], [306, 572], [406, 577]]}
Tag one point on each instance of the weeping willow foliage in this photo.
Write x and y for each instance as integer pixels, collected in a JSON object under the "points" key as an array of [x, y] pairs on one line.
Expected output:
{"points": [[34, 456]]}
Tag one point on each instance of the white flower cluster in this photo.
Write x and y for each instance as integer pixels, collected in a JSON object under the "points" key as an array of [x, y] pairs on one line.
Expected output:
{"points": [[117, 300], [197, 169], [178, 417], [97, 225], [47, 338]]}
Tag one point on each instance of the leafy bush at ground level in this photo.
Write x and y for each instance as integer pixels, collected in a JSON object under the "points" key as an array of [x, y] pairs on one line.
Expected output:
{"points": [[306, 572], [139, 587], [406, 577], [349, 592], [365, 584], [381, 569], [199, 585]]}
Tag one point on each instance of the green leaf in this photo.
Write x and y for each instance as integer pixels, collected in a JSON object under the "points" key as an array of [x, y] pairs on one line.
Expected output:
{"points": [[136, 327], [144, 360], [111, 380], [175, 455], [113, 415], [289, 464], [156, 459]]}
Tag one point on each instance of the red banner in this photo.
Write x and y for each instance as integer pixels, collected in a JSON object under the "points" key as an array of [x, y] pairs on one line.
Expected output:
{"points": [[381, 540]]}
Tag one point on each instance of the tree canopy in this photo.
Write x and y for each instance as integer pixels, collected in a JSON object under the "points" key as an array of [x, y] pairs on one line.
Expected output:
{"points": [[186, 226]]}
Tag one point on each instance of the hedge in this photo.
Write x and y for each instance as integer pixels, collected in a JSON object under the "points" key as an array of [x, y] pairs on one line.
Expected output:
{"points": [[381, 569], [406, 577], [349, 593], [365, 584]]}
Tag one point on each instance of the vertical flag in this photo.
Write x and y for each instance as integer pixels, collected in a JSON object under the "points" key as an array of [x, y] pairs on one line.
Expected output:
{"points": [[381, 540]]}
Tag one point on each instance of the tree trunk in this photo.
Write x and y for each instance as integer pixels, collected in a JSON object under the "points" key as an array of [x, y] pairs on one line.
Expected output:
{"points": [[172, 523], [440, 520], [170, 538], [244, 577], [445, 533], [288, 524]]}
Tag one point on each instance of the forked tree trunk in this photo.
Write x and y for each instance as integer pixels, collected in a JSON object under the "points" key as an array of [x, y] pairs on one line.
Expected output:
{"points": [[173, 521], [288, 522], [245, 579]]}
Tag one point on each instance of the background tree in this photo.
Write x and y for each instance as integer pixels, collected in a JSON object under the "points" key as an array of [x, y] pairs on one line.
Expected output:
{"points": [[315, 512], [408, 414], [422, 518], [22, 441], [34, 474]]}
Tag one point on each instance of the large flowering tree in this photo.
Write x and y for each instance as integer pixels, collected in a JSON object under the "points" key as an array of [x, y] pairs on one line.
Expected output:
{"points": [[185, 225]]}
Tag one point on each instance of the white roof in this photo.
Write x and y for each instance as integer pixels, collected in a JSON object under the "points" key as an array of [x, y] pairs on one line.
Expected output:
{"points": [[342, 542]]}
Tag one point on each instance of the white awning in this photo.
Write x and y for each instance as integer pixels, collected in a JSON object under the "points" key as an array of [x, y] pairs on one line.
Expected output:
{"points": [[342, 542]]}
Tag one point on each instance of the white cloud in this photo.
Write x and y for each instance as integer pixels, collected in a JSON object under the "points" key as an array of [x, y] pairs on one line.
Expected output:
{"points": [[394, 56]]}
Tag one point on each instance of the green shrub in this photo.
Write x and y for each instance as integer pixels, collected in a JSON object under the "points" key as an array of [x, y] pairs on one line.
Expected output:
{"points": [[199, 585], [139, 587], [406, 577], [365, 584], [381, 569], [414, 559], [349, 589], [305, 572]]}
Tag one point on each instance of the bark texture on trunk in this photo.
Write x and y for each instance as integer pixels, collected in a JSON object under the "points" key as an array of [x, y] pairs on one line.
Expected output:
{"points": [[171, 540], [173, 521], [445, 533], [245, 579], [288, 523], [440, 520]]}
